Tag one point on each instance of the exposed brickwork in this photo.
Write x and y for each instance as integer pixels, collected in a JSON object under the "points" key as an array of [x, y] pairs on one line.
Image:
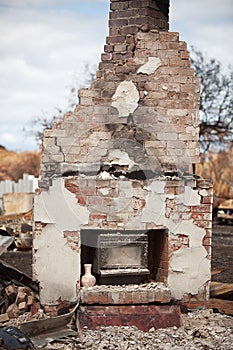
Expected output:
{"points": [[142, 316], [136, 294], [151, 142], [127, 17], [168, 106]]}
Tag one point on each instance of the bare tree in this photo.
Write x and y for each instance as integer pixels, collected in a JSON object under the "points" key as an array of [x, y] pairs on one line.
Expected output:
{"points": [[216, 101]]}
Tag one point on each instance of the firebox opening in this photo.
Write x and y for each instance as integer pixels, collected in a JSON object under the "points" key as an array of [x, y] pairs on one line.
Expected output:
{"points": [[158, 255], [126, 256]]}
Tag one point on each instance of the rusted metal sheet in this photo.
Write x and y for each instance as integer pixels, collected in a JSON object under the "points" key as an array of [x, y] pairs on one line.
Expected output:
{"points": [[10, 273], [5, 242], [44, 331]]}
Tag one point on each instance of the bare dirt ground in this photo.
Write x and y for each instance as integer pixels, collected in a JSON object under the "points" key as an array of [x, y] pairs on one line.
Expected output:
{"points": [[222, 252]]}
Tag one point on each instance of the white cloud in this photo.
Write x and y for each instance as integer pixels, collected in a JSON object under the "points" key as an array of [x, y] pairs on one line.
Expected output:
{"points": [[208, 25], [43, 3], [7, 137], [40, 53], [200, 10]]}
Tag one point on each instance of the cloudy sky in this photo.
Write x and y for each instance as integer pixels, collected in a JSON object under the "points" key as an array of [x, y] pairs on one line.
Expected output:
{"points": [[45, 44]]}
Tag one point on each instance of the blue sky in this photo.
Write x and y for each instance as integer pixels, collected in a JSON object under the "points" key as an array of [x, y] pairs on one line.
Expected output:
{"points": [[45, 45]]}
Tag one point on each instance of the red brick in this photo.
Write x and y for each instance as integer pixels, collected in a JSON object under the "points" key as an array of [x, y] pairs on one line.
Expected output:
{"points": [[73, 188], [31, 300], [184, 55], [200, 216], [207, 200], [112, 310], [165, 36], [118, 23], [206, 241], [88, 191], [81, 200], [108, 48], [23, 307], [129, 30], [105, 298], [204, 183], [21, 297], [128, 299], [11, 292], [126, 310], [207, 224], [74, 234], [208, 249], [34, 308], [144, 317], [123, 5], [50, 310], [12, 311], [94, 217], [120, 39], [204, 208], [162, 275], [208, 233], [163, 265], [4, 318], [106, 56]]}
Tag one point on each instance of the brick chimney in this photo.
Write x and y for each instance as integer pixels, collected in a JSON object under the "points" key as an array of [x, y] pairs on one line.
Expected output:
{"points": [[122, 163], [128, 17]]}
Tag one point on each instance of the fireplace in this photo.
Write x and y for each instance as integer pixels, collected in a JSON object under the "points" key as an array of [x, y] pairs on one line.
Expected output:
{"points": [[117, 173], [120, 257]]}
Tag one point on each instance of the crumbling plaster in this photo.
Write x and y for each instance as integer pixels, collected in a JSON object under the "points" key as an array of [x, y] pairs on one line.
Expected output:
{"points": [[126, 98], [59, 206], [189, 270], [58, 266], [60, 213], [189, 266], [161, 97], [151, 66]]}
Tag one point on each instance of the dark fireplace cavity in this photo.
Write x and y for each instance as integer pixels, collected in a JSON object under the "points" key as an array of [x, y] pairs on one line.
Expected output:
{"points": [[118, 256]]}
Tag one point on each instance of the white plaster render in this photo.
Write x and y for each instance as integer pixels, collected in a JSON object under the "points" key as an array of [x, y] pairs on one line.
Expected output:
{"points": [[104, 175], [204, 192], [125, 189], [190, 197], [104, 191], [195, 233], [54, 256], [190, 271], [151, 66], [57, 266], [189, 267], [58, 205], [120, 157], [126, 98], [154, 209]]}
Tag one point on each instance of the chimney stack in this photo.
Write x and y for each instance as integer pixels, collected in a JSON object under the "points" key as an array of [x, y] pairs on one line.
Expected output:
{"points": [[128, 17]]}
